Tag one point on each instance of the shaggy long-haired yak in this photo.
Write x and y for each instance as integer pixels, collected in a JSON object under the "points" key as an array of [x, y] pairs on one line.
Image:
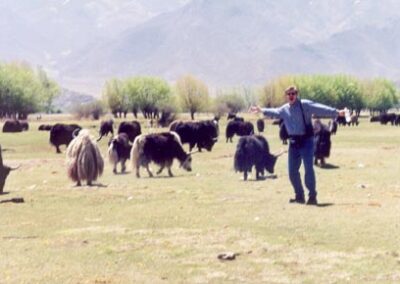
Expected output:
{"points": [[84, 160]]}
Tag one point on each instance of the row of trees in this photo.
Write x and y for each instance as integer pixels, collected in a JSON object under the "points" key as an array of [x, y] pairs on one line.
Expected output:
{"points": [[25, 90], [150, 95], [189, 94]]}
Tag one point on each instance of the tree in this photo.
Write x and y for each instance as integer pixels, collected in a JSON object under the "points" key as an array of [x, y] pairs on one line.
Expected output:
{"points": [[231, 100], [24, 90], [115, 98], [147, 94], [380, 94], [193, 94]]}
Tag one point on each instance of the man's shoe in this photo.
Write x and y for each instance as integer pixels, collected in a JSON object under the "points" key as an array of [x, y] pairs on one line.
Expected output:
{"points": [[312, 201], [297, 200]]}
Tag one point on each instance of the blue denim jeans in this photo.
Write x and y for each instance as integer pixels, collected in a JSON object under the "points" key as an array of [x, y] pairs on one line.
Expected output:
{"points": [[297, 154]]}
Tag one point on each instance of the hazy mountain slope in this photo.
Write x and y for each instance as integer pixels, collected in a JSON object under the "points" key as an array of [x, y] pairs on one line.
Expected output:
{"points": [[232, 42]]}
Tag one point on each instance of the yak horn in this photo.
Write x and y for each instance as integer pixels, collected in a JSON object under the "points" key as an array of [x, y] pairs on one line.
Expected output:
{"points": [[280, 153], [75, 132], [16, 168], [98, 139], [194, 152]]}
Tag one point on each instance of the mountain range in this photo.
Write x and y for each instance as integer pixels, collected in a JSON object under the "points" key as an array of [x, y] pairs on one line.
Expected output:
{"points": [[223, 42]]}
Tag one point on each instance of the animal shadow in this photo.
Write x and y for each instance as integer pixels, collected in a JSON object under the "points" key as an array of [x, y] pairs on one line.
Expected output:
{"points": [[328, 167], [4, 192], [327, 204], [13, 200], [122, 174], [261, 178]]}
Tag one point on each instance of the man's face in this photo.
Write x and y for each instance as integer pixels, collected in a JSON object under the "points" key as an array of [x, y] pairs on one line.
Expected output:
{"points": [[291, 96]]}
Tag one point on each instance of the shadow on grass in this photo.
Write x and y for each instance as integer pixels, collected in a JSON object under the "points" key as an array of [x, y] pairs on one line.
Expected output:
{"points": [[4, 192], [329, 167], [13, 200], [327, 204], [261, 178], [122, 174]]}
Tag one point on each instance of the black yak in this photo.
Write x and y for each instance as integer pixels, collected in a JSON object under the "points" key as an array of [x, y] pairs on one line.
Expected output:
{"points": [[253, 150], [322, 140], [61, 134], [119, 150], [260, 125], [202, 134], [332, 126], [106, 127], [239, 128], [11, 126], [234, 117], [131, 128], [283, 134], [45, 127], [160, 148], [4, 172], [84, 160]]}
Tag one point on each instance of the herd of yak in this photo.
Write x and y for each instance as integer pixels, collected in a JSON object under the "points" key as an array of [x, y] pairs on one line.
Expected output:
{"points": [[85, 162]]}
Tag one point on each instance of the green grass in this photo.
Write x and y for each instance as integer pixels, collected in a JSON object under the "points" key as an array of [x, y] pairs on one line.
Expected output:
{"points": [[171, 230]]}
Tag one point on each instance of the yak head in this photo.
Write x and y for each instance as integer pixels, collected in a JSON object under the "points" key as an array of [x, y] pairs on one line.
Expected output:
{"points": [[187, 163], [270, 161]]}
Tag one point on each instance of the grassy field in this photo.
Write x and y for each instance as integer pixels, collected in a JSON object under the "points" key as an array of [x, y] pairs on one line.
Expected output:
{"points": [[171, 230]]}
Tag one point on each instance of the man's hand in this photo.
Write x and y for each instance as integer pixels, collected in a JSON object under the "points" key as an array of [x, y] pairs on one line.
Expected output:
{"points": [[255, 109], [342, 112]]}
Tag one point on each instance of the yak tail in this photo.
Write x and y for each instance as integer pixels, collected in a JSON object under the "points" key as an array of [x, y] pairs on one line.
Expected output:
{"points": [[112, 154], [137, 150]]}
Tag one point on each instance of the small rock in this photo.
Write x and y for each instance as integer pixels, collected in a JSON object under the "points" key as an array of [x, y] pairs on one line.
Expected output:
{"points": [[130, 198], [361, 165]]}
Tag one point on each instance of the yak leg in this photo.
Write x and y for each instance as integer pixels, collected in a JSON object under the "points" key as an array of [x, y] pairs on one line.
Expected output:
{"points": [[78, 183], [148, 170], [322, 161], [123, 167], [58, 151], [316, 161], [137, 171], [161, 169], [169, 169], [89, 183], [245, 175], [115, 167]]}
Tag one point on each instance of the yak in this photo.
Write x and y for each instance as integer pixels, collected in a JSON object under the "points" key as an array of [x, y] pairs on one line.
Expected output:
{"points": [[4, 172], [202, 134], [234, 117], [83, 158], [61, 134], [239, 128], [131, 128], [11, 126], [332, 126], [283, 134], [119, 149], [260, 125], [45, 127], [160, 148], [106, 127], [253, 150], [322, 141]]}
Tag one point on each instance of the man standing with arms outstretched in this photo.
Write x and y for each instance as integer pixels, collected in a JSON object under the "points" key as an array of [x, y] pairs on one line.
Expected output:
{"points": [[296, 115]]}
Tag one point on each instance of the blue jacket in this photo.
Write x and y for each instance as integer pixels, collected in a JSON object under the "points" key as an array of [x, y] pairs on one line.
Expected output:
{"points": [[292, 115]]}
